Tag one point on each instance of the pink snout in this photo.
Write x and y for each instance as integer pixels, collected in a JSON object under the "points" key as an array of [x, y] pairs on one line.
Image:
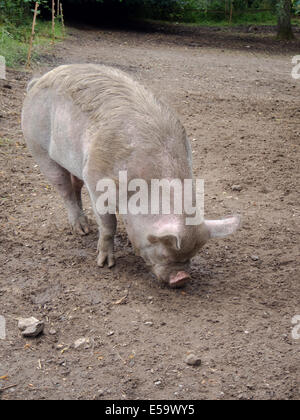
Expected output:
{"points": [[179, 279]]}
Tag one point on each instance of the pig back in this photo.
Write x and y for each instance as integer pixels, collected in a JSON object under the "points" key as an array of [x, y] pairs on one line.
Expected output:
{"points": [[121, 122]]}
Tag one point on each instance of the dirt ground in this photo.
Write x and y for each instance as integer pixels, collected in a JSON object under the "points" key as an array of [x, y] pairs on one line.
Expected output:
{"points": [[240, 107]]}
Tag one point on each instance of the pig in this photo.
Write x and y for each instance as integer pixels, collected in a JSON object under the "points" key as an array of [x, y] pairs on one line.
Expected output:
{"points": [[87, 122]]}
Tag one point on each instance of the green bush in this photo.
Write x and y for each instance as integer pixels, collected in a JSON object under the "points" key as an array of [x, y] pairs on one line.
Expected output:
{"points": [[14, 51], [15, 31]]}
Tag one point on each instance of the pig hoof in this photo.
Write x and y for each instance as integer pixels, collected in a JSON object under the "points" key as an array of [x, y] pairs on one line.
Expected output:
{"points": [[81, 226], [104, 257]]}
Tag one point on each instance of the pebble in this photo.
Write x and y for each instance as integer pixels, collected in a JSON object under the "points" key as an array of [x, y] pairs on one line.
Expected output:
{"points": [[26, 322], [236, 188], [31, 327], [80, 342], [193, 360], [254, 258]]}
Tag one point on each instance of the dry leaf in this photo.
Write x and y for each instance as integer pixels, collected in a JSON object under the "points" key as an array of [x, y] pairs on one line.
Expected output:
{"points": [[121, 301]]}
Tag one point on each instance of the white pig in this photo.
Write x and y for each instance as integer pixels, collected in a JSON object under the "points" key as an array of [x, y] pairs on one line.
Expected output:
{"points": [[84, 123]]}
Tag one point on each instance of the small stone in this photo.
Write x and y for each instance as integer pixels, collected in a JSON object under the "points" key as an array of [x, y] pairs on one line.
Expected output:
{"points": [[236, 188], [26, 322], [31, 327], [193, 360], [264, 190], [34, 330], [52, 332], [149, 323], [254, 258], [80, 342], [110, 333]]}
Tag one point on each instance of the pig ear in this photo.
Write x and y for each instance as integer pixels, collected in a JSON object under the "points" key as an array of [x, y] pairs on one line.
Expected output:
{"points": [[223, 227], [170, 240]]}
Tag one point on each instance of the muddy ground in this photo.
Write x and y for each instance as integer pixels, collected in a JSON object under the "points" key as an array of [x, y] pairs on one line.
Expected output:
{"points": [[240, 107]]}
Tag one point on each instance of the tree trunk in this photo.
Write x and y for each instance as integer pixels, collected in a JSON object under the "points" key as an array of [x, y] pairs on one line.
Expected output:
{"points": [[285, 30]]}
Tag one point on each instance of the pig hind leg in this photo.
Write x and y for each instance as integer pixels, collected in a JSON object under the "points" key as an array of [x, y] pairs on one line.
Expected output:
{"points": [[81, 224], [68, 186], [107, 230], [77, 185]]}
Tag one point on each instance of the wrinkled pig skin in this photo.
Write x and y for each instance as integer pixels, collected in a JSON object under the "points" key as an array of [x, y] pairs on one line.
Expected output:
{"points": [[83, 123]]}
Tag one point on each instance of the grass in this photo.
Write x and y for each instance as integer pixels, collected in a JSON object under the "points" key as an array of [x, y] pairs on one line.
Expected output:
{"points": [[14, 41], [265, 18], [245, 18]]}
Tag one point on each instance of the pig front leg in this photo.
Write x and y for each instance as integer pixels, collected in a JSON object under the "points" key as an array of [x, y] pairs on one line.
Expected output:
{"points": [[107, 230], [107, 223]]}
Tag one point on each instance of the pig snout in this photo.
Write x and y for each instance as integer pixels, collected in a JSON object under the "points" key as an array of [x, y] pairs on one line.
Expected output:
{"points": [[171, 276], [179, 279]]}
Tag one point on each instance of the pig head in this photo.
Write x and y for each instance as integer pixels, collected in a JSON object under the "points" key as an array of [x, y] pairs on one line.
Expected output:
{"points": [[167, 244]]}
